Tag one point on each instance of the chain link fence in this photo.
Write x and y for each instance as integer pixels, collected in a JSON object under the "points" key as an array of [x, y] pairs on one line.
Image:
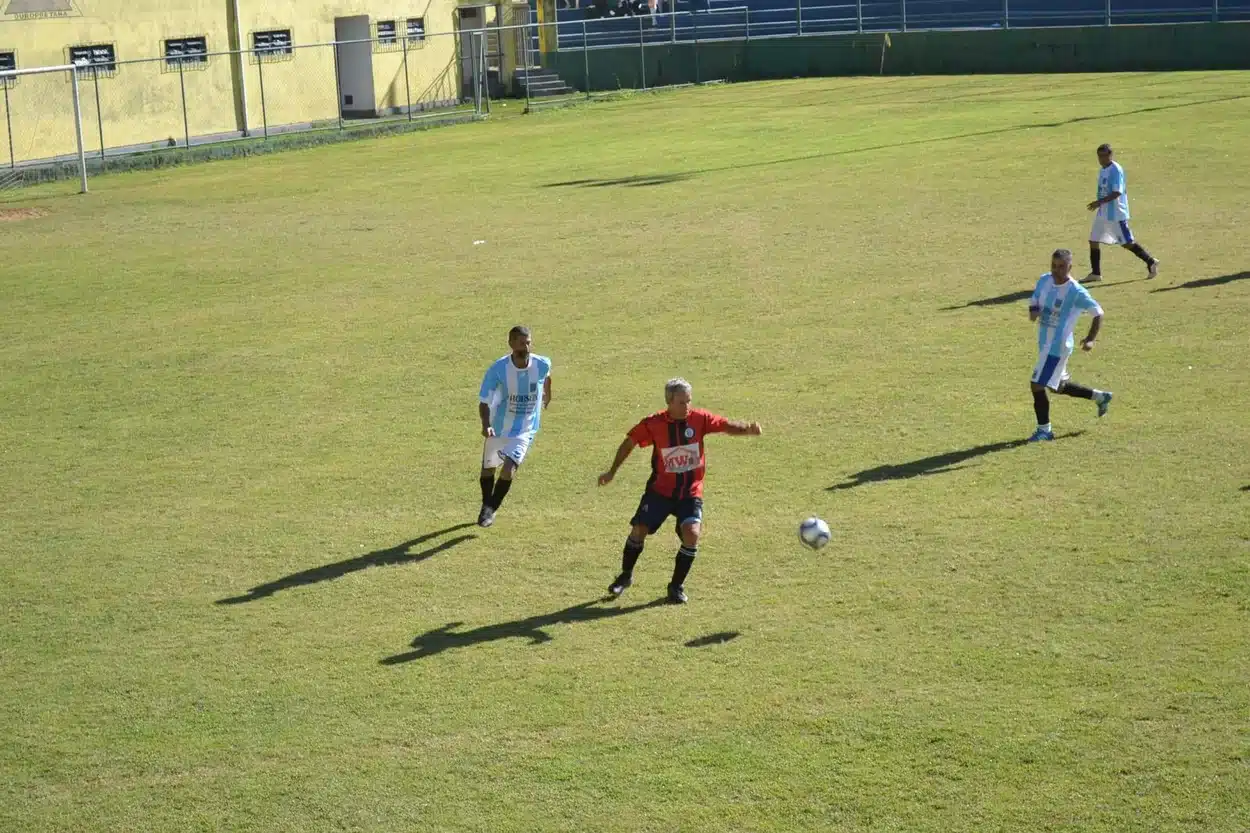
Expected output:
{"points": [[189, 100]]}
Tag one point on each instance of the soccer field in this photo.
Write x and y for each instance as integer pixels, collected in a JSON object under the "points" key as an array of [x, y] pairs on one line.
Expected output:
{"points": [[239, 450]]}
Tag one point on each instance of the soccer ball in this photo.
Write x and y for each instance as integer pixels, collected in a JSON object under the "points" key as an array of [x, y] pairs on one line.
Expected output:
{"points": [[814, 533]]}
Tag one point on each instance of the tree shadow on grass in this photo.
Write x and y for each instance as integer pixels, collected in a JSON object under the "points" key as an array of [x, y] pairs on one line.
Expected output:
{"points": [[639, 181], [1202, 283], [659, 179], [937, 464], [531, 628], [399, 554]]}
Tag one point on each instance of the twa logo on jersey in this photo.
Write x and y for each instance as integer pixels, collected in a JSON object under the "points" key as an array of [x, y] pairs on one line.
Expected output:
{"points": [[681, 458]]}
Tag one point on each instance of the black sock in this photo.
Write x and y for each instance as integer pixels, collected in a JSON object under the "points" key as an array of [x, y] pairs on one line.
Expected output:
{"points": [[1041, 407], [1077, 390], [501, 491], [685, 558], [1095, 260], [629, 557], [1136, 249], [488, 486]]}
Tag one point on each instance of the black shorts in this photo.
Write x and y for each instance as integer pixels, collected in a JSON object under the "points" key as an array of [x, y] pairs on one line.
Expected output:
{"points": [[654, 510]]}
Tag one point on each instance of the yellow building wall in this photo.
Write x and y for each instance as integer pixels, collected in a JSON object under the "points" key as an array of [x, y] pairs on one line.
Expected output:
{"points": [[141, 103]]}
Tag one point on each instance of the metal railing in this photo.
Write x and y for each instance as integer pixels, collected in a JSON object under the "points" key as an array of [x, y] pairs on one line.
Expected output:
{"points": [[613, 24]]}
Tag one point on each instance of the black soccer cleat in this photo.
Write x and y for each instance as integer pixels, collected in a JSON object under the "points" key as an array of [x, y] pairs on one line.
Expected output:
{"points": [[617, 587], [677, 595], [486, 517]]}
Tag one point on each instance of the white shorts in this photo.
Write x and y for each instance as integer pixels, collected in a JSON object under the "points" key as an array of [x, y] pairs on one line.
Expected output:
{"points": [[1111, 232], [1051, 371], [498, 449]]}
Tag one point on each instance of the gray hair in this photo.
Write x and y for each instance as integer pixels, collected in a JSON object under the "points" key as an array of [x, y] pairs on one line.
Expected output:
{"points": [[674, 386], [1062, 254]]}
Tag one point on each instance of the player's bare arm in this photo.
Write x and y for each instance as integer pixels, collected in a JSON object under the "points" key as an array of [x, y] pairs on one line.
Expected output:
{"points": [[483, 412], [546, 391], [1110, 198], [738, 428], [1087, 343], [622, 454]]}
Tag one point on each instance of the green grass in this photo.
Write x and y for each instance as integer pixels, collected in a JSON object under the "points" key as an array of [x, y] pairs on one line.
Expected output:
{"points": [[213, 378]]}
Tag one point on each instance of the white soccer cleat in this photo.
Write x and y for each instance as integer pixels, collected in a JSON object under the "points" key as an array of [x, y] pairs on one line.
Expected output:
{"points": [[1092, 277], [1152, 271]]}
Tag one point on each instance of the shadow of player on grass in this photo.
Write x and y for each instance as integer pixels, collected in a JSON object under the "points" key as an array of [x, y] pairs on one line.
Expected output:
{"points": [[937, 464], [532, 628], [399, 554], [1202, 283]]}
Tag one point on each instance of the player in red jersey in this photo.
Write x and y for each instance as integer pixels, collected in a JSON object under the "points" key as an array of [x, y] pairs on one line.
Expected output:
{"points": [[676, 485]]}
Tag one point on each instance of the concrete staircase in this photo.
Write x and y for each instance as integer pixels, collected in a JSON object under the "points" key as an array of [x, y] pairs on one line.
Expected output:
{"points": [[542, 83]]}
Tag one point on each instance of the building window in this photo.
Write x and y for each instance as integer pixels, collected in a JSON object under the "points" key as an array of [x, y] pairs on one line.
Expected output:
{"points": [[416, 29], [8, 62], [386, 32], [186, 52], [95, 60], [272, 45]]}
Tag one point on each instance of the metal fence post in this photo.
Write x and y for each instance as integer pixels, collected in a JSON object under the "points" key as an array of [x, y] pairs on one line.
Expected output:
{"points": [[186, 124], [694, 19], [1108, 20], [1006, 14], [264, 111], [585, 58], [1215, 11], [407, 84], [903, 3], [798, 14], [99, 113], [642, 53], [859, 16], [338, 85], [527, 46], [8, 122], [748, 8], [82, 153]]}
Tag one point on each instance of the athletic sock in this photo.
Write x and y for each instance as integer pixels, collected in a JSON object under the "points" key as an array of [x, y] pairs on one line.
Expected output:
{"points": [[1136, 248], [1077, 390], [501, 491], [1095, 260], [488, 486], [1041, 407], [629, 557], [685, 559]]}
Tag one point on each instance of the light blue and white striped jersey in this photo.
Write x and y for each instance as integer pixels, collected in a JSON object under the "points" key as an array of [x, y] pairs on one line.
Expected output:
{"points": [[1111, 178], [1058, 307], [515, 395]]}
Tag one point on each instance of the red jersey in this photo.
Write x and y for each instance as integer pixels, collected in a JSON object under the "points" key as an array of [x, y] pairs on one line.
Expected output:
{"points": [[677, 463]]}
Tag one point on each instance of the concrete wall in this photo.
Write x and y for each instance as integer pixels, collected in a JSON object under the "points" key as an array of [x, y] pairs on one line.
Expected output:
{"points": [[141, 102]]}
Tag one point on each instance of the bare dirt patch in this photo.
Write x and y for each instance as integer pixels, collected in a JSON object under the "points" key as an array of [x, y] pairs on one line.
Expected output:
{"points": [[12, 215]]}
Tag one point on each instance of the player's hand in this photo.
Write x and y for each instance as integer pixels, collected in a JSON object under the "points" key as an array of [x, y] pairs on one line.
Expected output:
{"points": [[1093, 206], [754, 429], [606, 478], [1087, 344], [488, 432]]}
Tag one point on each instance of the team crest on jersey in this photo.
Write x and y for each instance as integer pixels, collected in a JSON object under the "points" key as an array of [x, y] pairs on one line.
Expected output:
{"points": [[689, 433]]}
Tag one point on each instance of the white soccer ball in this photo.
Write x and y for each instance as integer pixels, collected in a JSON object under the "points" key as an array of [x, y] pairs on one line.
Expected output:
{"points": [[814, 533]]}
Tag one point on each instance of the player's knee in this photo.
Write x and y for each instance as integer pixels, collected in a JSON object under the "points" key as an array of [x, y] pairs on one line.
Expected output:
{"points": [[509, 469], [638, 533], [1093, 244], [1036, 388], [690, 534]]}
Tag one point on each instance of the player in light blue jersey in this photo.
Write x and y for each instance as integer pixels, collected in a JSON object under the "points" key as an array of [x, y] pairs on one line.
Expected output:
{"points": [[1056, 304], [1111, 218], [515, 391]]}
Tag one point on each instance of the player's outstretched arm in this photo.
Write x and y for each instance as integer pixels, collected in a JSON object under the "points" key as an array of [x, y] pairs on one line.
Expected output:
{"points": [[622, 454], [546, 391], [1087, 343], [738, 429]]}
